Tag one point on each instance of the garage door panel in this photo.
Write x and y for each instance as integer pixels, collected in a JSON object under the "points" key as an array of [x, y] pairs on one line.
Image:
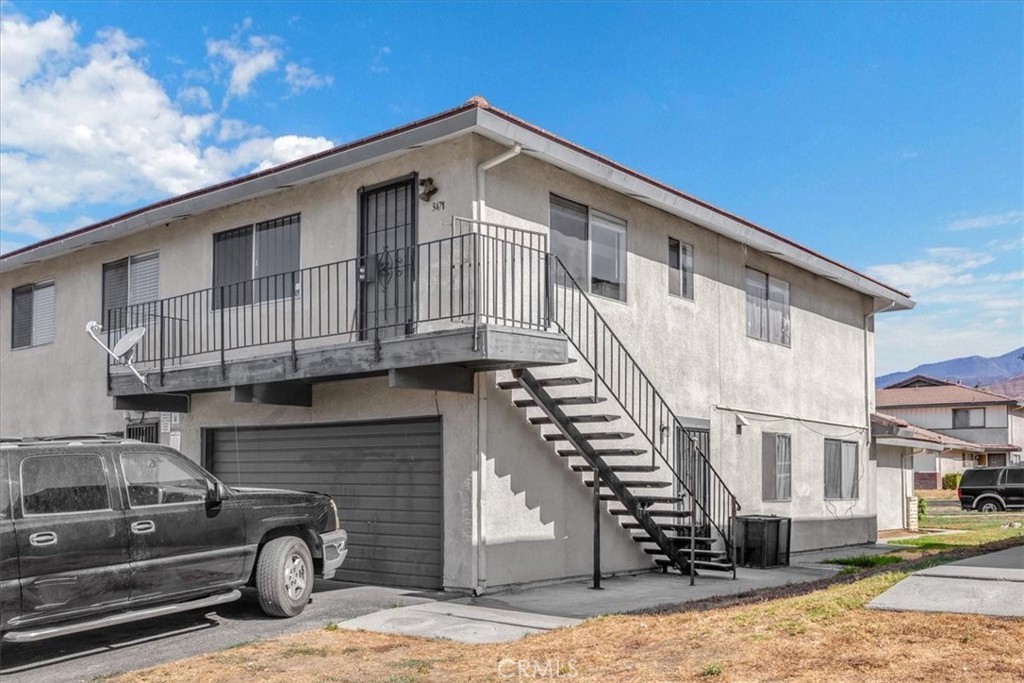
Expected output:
{"points": [[385, 478]]}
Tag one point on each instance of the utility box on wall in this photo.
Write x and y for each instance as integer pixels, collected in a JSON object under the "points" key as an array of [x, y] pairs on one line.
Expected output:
{"points": [[762, 541]]}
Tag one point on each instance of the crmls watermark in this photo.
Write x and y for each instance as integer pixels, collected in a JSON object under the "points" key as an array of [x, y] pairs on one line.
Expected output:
{"points": [[530, 669]]}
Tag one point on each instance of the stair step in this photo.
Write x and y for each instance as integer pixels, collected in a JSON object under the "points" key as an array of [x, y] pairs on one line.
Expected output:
{"points": [[664, 526], [592, 436], [699, 564], [618, 468], [644, 538], [654, 513], [576, 419], [636, 484], [648, 500], [602, 452], [562, 401], [708, 554], [548, 382]]}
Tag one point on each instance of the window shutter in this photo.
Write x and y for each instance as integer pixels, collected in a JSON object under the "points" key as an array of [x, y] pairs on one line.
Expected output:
{"points": [[115, 294], [232, 267], [43, 303], [778, 311], [145, 279], [833, 469], [21, 317], [768, 468]]}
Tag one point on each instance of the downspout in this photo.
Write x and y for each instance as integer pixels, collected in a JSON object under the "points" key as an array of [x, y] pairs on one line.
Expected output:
{"points": [[869, 392], [483, 384]]}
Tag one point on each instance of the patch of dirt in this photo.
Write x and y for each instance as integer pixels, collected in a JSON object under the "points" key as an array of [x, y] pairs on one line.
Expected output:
{"points": [[804, 632]]}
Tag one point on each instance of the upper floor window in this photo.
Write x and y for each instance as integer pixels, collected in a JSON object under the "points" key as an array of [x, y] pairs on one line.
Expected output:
{"points": [[591, 245], [967, 418], [776, 467], [130, 281], [841, 469], [680, 269], [32, 314], [256, 262], [767, 308]]}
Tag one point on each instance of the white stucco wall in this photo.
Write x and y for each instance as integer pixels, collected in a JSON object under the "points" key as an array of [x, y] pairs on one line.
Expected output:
{"points": [[895, 483]]}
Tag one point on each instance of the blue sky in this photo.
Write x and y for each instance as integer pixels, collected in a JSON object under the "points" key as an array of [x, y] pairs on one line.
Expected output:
{"points": [[889, 136]]}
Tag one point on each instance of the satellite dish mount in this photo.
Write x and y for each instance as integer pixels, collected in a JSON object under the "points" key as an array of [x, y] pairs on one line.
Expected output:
{"points": [[124, 350]]}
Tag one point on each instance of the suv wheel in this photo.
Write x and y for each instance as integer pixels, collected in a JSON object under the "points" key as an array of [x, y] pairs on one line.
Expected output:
{"points": [[990, 505], [284, 576]]}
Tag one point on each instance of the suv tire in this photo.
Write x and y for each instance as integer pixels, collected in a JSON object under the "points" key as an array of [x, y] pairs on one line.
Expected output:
{"points": [[284, 576], [990, 505]]}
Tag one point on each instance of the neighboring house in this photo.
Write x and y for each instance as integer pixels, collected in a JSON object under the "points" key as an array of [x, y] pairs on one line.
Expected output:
{"points": [[980, 428], [898, 446], [335, 324]]}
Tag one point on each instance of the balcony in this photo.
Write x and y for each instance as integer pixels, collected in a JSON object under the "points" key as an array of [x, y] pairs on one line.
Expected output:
{"points": [[428, 316]]}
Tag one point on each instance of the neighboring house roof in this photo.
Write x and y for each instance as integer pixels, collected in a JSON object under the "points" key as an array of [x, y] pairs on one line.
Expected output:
{"points": [[475, 116], [931, 392], [894, 430]]}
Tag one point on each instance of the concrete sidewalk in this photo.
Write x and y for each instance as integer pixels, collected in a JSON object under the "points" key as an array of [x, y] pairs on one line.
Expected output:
{"points": [[990, 584], [513, 614]]}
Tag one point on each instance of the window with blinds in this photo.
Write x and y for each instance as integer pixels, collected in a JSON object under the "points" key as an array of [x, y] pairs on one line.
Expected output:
{"points": [[32, 315], [128, 282], [776, 467], [841, 469], [256, 262], [767, 308]]}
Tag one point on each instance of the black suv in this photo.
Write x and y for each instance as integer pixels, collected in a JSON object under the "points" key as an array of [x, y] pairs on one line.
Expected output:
{"points": [[99, 531], [991, 489]]}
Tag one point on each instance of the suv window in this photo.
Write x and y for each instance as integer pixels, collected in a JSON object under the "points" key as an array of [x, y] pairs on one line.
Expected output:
{"points": [[980, 477], [63, 483], [1015, 475], [159, 479]]}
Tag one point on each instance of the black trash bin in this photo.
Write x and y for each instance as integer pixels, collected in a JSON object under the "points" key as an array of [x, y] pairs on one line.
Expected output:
{"points": [[762, 541]]}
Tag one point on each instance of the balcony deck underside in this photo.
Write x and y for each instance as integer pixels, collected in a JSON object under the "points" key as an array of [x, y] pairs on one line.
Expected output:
{"points": [[489, 347]]}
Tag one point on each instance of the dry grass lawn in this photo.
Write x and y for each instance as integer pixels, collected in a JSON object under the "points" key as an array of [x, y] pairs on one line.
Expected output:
{"points": [[824, 635]]}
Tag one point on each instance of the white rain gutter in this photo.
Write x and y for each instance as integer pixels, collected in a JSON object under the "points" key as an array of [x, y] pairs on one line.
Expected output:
{"points": [[483, 384]]}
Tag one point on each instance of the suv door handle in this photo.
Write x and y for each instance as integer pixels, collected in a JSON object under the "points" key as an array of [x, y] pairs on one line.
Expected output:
{"points": [[43, 538], [143, 527]]}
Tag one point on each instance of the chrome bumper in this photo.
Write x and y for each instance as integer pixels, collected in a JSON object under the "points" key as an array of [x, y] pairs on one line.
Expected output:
{"points": [[333, 548]]}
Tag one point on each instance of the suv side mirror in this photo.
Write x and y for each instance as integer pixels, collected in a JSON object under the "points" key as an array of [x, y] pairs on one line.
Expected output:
{"points": [[214, 493]]}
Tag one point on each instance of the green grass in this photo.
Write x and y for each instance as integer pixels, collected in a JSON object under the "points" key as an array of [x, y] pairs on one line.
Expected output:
{"points": [[713, 669], [978, 529], [866, 561]]}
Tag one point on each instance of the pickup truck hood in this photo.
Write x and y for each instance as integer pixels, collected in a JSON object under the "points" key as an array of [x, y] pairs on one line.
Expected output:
{"points": [[288, 503]]}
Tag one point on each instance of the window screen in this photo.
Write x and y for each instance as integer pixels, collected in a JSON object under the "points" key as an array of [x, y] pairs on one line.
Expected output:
{"points": [[841, 469], [63, 483], [776, 466], [232, 267], [256, 262], [965, 418], [569, 237], [680, 268], [607, 256], [32, 315], [128, 282]]}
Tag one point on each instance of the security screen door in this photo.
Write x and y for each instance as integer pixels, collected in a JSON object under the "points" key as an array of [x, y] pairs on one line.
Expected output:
{"points": [[387, 244]]}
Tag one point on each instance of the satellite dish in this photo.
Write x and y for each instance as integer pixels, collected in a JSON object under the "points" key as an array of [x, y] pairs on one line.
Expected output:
{"points": [[128, 342], [122, 348]]}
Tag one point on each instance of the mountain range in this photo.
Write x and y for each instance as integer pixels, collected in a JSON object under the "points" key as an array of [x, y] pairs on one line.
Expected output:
{"points": [[1003, 374]]}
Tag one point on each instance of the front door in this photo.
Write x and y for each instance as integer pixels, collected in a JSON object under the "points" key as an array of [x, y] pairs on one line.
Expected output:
{"points": [[387, 244], [178, 544], [71, 534]]}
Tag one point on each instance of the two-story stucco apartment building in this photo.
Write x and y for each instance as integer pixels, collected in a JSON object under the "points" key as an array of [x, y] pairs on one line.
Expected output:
{"points": [[450, 326], [975, 427]]}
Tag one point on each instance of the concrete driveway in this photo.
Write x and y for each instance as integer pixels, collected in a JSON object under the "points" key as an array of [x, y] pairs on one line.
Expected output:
{"points": [[990, 584], [87, 656]]}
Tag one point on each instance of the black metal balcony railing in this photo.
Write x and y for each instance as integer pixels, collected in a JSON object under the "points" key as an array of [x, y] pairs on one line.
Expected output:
{"points": [[466, 279]]}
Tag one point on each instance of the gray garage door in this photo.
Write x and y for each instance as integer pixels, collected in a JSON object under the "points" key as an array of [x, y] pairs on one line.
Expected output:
{"points": [[384, 476]]}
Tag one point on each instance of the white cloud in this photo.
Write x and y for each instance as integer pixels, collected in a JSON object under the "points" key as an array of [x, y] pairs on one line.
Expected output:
{"points": [[85, 124], [300, 78], [992, 220], [247, 60], [378, 66], [970, 301]]}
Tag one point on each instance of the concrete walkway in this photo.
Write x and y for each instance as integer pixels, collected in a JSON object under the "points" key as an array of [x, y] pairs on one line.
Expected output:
{"points": [[513, 614], [991, 584]]}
